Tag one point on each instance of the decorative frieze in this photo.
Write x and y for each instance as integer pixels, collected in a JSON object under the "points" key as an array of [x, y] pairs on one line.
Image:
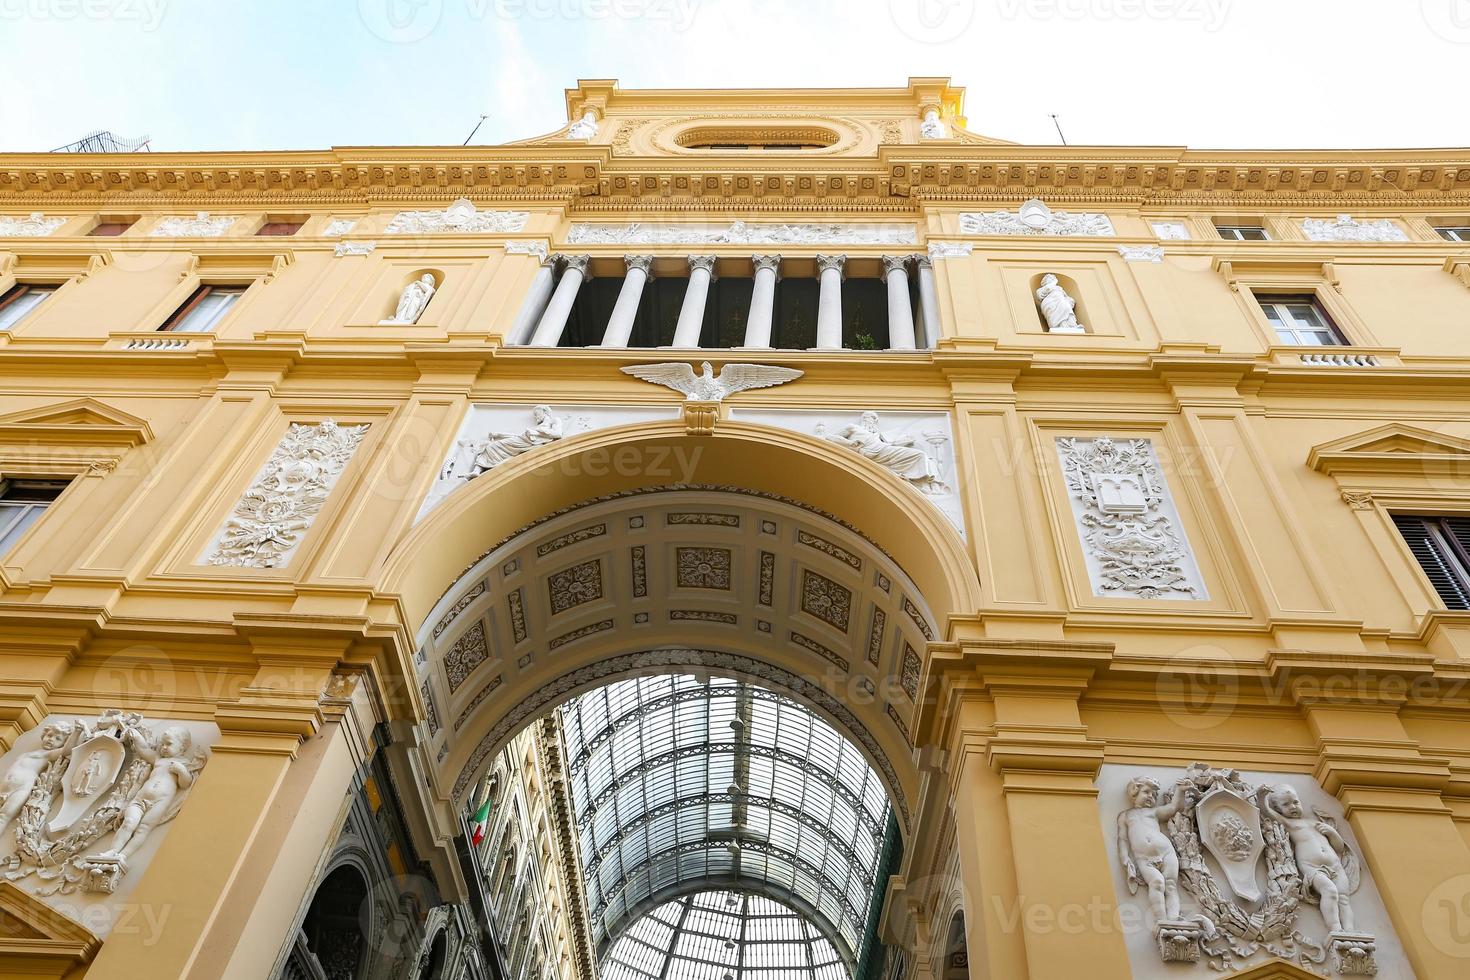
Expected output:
{"points": [[82, 798], [1131, 536], [1236, 869], [1346, 228], [278, 509], [461, 217], [537, 249], [1035, 218], [201, 225], [354, 248], [741, 233], [33, 225], [339, 226]]}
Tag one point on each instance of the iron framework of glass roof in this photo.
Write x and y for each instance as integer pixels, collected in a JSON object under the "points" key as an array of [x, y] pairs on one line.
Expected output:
{"points": [[685, 788], [723, 936]]}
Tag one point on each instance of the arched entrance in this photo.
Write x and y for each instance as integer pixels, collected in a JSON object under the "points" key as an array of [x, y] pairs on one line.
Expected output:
{"points": [[786, 564]]}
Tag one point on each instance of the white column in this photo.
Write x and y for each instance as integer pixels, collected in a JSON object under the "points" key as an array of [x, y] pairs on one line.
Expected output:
{"points": [[829, 302], [625, 310], [554, 320], [535, 303], [928, 300], [691, 314], [762, 300], [900, 312]]}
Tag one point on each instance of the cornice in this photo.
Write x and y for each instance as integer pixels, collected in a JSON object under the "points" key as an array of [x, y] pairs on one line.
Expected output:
{"points": [[589, 175]]}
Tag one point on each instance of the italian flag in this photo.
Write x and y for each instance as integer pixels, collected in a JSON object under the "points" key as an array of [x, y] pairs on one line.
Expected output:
{"points": [[480, 824]]}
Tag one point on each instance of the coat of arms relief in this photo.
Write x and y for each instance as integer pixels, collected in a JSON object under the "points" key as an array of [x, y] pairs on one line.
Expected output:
{"points": [[1232, 870], [80, 804]]}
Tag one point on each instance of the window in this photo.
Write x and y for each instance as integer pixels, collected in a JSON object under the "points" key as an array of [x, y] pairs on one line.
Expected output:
{"points": [[205, 308], [1454, 233], [1441, 545], [22, 502], [19, 300], [279, 229], [111, 229], [1243, 233], [1300, 321]]}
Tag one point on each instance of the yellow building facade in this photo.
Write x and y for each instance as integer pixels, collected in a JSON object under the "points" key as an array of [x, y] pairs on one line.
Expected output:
{"points": [[1061, 568]]}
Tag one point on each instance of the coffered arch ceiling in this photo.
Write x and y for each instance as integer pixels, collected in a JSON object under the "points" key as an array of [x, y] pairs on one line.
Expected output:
{"points": [[725, 582]]}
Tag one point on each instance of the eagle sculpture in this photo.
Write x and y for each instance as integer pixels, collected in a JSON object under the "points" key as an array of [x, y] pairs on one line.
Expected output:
{"points": [[707, 387]]}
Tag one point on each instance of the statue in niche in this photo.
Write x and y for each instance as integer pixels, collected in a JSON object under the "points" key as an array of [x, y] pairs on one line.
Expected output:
{"points": [[15, 788], [475, 456], [931, 128], [1328, 866], [1147, 853], [584, 128], [1058, 307], [411, 303], [163, 792], [897, 453]]}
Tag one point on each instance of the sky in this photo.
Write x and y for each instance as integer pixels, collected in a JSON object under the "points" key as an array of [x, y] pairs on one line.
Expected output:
{"points": [[309, 74]]}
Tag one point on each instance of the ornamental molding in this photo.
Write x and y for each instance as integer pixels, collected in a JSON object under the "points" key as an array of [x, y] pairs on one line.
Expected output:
{"points": [[339, 226], [1234, 870], [537, 249], [274, 514], [1035, 218], [1346, 228], [354, 248], [950, 250], [1142, 253], [741, 233], [201, 225], [1132, 540], [84, 800], [1170, 231], [34, 225], [461, 217], [568, 173]]}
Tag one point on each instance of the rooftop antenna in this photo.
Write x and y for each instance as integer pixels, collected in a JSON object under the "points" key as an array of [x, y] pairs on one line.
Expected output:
{"points": [[467, 139], [1058, 125], [103, 141]]}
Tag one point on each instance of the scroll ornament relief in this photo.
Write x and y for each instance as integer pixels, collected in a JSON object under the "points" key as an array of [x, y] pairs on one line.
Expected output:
{"points": [[201, 225], [1129, 535], [1163, 840], [1035, 218], [35, 225], [1349, 229], [459, 217], [89, 797], [276, 511]]}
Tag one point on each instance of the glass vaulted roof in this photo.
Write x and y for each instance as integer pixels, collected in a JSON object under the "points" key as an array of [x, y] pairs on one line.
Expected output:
{"points": [[723, 936], [686, 788]]}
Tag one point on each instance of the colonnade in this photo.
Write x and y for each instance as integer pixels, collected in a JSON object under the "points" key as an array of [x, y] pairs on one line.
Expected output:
{"points": [[543, 316]]}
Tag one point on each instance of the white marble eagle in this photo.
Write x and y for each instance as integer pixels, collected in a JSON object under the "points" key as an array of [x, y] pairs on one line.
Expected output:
{"points": [[708, 388]]}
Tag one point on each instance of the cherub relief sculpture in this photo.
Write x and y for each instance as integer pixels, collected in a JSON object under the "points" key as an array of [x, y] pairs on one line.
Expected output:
{"points": [[109, 779], [20, 779], [1328, 866], [1148, 855]]}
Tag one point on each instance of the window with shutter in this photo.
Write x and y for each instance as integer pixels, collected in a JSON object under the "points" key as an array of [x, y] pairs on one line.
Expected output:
{"points": [[1441, 545]]}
